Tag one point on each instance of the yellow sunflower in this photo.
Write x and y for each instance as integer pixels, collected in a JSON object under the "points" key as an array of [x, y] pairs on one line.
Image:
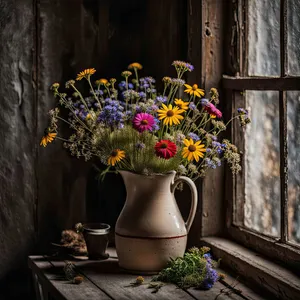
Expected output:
{"points": [[194, 90], [47, 138], [170, 115], [181, 104], [85, 73], [115, 156], [135, 65], [193, 150]]}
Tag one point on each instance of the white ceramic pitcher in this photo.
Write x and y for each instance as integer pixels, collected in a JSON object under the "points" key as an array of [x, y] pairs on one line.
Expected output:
{"points": [[150, 229]]}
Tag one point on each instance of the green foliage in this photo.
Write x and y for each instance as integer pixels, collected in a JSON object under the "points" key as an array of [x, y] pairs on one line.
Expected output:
{"points": [[188, 271], [139, 149]]}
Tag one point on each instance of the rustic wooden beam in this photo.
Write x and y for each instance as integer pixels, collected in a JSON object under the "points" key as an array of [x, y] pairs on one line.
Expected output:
{"points": [[283, 126], [261, 83]]}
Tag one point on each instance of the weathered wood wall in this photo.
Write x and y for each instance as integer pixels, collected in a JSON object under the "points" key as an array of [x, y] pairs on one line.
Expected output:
{"points": [[43, 191]]}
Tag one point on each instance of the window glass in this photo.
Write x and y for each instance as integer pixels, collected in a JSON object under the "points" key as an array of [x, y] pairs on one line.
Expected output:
{"points": [[293, 37], [293, 126], [264, 38], [262, 163]]}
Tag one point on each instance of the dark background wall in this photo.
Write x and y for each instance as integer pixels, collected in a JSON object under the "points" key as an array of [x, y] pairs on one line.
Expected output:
{"points": [[43, 191]]}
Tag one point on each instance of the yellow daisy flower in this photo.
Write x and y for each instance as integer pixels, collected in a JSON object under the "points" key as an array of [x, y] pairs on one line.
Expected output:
{"points": [[181, 104], [101, 81], [115, 156], [194, 90], [170, 115], [139, 280], [85, 73], [193, 150], [47, 138], [135, 65]]}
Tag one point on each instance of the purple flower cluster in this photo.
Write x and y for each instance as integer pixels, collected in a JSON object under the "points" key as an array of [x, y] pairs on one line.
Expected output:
{"points": [[177, 81], [122, 85], [112, 113], [210, 163], [99, 92], [194, 136], [218, 147], [143, 95], [152, 109], [192, 106], [161, 99], [145, 82], [211, 274], [183, 64], [204, 102]]}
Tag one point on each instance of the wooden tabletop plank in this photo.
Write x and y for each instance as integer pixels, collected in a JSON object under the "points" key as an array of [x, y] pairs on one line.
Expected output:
{"points": [[229, 288], [218, 291], [52, 278], [116, 283], [245, 291]]}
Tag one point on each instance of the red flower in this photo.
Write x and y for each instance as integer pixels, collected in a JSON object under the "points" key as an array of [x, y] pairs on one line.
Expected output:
{"points": [[165, 149]]}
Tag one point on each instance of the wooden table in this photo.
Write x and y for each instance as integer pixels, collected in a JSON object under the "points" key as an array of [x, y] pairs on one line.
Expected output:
{"points": [[104, 280]]}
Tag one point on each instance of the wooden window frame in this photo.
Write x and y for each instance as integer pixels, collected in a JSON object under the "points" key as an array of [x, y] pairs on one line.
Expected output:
{"points": [[277, 248]]}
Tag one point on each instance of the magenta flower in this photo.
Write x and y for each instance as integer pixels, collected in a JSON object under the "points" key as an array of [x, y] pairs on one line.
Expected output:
{"points": [[143, 121], [212, 110]]}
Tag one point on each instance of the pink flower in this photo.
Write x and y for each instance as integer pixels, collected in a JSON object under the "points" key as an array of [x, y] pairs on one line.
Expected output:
{"points": [[213, 111], [143, 121]]}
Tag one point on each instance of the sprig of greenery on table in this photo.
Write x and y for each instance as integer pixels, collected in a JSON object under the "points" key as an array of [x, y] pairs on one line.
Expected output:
{"points": [[195, 269]]}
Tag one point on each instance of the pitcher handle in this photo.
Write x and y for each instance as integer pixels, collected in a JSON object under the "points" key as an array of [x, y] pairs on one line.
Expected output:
{"points": [[194, 203]]}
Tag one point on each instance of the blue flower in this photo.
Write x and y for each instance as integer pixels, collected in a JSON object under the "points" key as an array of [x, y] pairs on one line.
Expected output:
{"points": [[161, 99], [189, 67], [192, 106], [99, 92], [156, 125], [112, 114], [210, 163], [210, 278], [122, 85], [215, 144], [194, 136], [204, 102], [142, 94]]}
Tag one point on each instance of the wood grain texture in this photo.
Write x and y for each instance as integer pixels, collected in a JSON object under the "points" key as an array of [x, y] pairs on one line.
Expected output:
{"points": [[257, 271], [53, 282], [108, 277], [115, 283], [205, 19], [17, 134], [218, 291]]}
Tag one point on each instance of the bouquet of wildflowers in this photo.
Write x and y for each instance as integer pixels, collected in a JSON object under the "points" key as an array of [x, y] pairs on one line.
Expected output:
{"points": [[131, 126]]}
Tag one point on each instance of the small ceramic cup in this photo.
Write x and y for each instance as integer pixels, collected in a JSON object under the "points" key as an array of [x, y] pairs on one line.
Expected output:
{"points": [[96, 239]]}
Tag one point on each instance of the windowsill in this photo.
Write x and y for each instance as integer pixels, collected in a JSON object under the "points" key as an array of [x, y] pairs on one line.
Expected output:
{"points": [[255, 270]]}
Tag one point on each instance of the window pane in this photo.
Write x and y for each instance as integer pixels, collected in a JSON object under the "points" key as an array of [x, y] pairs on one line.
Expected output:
{"points": [[294, 165], [293, 40], [262, 169], [264, 38]]}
